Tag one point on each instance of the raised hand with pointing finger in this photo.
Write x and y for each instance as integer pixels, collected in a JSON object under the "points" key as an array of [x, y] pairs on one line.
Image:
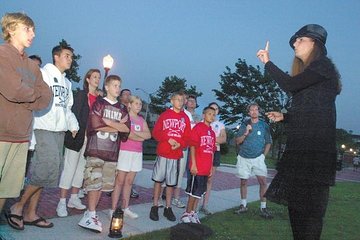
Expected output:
{"points": [[263, 54]]}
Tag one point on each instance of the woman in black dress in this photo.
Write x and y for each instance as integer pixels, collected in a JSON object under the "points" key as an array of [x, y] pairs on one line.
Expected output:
{"points": [[308, 166]]}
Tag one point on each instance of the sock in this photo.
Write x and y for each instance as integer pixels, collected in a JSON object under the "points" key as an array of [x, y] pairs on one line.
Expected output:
{"points": [[63, 200], [263, 205], [243, 202], [73, 196], [92, 213]]}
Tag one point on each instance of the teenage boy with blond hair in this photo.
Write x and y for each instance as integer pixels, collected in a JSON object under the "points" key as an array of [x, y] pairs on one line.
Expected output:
{"points": [[22, 91], [108, 125]]}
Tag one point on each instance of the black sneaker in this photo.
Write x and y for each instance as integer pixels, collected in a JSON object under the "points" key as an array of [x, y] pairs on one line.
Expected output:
{"points": [[154, 215], [134, 193], [168, 213], [265, 213], [242, 209]]}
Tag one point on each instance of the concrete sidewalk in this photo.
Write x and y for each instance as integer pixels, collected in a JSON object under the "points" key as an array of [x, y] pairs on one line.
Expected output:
{"points": [[225, 195]]}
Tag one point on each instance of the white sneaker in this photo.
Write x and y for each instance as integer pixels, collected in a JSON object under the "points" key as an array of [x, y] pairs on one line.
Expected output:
{"points": [[177, 203], [185, 218], [61, 209], [91, 223], [194, 217], [130, 214], [76, 203]]}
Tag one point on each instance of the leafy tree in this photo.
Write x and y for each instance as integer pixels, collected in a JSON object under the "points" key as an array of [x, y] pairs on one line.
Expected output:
{"points": [[72, 73], [247, 85], [344, 137], [244, 86], [160, 100]]}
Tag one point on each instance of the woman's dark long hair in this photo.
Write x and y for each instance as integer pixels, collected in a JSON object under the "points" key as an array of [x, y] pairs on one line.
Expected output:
{"points": [[318, 52], [88, 75]]}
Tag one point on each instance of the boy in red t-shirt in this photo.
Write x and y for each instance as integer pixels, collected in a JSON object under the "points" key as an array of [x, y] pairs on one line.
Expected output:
{"points": [[202, 148], [172, 131]]}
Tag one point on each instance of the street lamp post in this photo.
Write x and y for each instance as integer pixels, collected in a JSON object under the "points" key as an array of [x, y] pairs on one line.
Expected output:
{"points": [[149, 100], [343, 148], [108, 62]]}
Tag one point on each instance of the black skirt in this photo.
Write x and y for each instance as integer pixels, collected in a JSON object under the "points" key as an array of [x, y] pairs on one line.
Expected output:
{"points": [[299, 170]]}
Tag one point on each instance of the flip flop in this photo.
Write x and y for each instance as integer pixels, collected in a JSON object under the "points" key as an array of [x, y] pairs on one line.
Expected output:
{"points": [[36, 223], [11, 222]]}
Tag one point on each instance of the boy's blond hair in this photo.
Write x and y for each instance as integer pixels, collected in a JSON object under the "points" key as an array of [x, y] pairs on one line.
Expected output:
{"points": [[111, 78], [134, 98], [175, 94], [10, 21]]}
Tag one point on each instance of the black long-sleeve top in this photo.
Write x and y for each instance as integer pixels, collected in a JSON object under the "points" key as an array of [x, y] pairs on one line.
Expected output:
{"points": [[310, 123]]}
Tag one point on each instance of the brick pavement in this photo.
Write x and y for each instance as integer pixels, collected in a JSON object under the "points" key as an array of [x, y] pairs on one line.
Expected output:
{"points": [[222, 181], [50, 196]]}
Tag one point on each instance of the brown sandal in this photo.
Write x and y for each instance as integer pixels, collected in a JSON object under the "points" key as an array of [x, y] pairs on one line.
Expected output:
{"points": [[37, 221], [11, 222]]}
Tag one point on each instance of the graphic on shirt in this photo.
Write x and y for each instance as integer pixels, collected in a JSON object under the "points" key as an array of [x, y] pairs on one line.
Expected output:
{"points": [[107, 135], [61, 95], [175, 127], [207, 143], [112, 113], [137, 127]]}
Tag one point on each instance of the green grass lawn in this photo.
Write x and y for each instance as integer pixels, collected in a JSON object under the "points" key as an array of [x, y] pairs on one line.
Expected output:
{"points": [[342, 220]]}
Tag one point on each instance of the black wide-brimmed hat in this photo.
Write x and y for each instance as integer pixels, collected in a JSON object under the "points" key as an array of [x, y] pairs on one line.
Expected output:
{"points": [[313, 31]]}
